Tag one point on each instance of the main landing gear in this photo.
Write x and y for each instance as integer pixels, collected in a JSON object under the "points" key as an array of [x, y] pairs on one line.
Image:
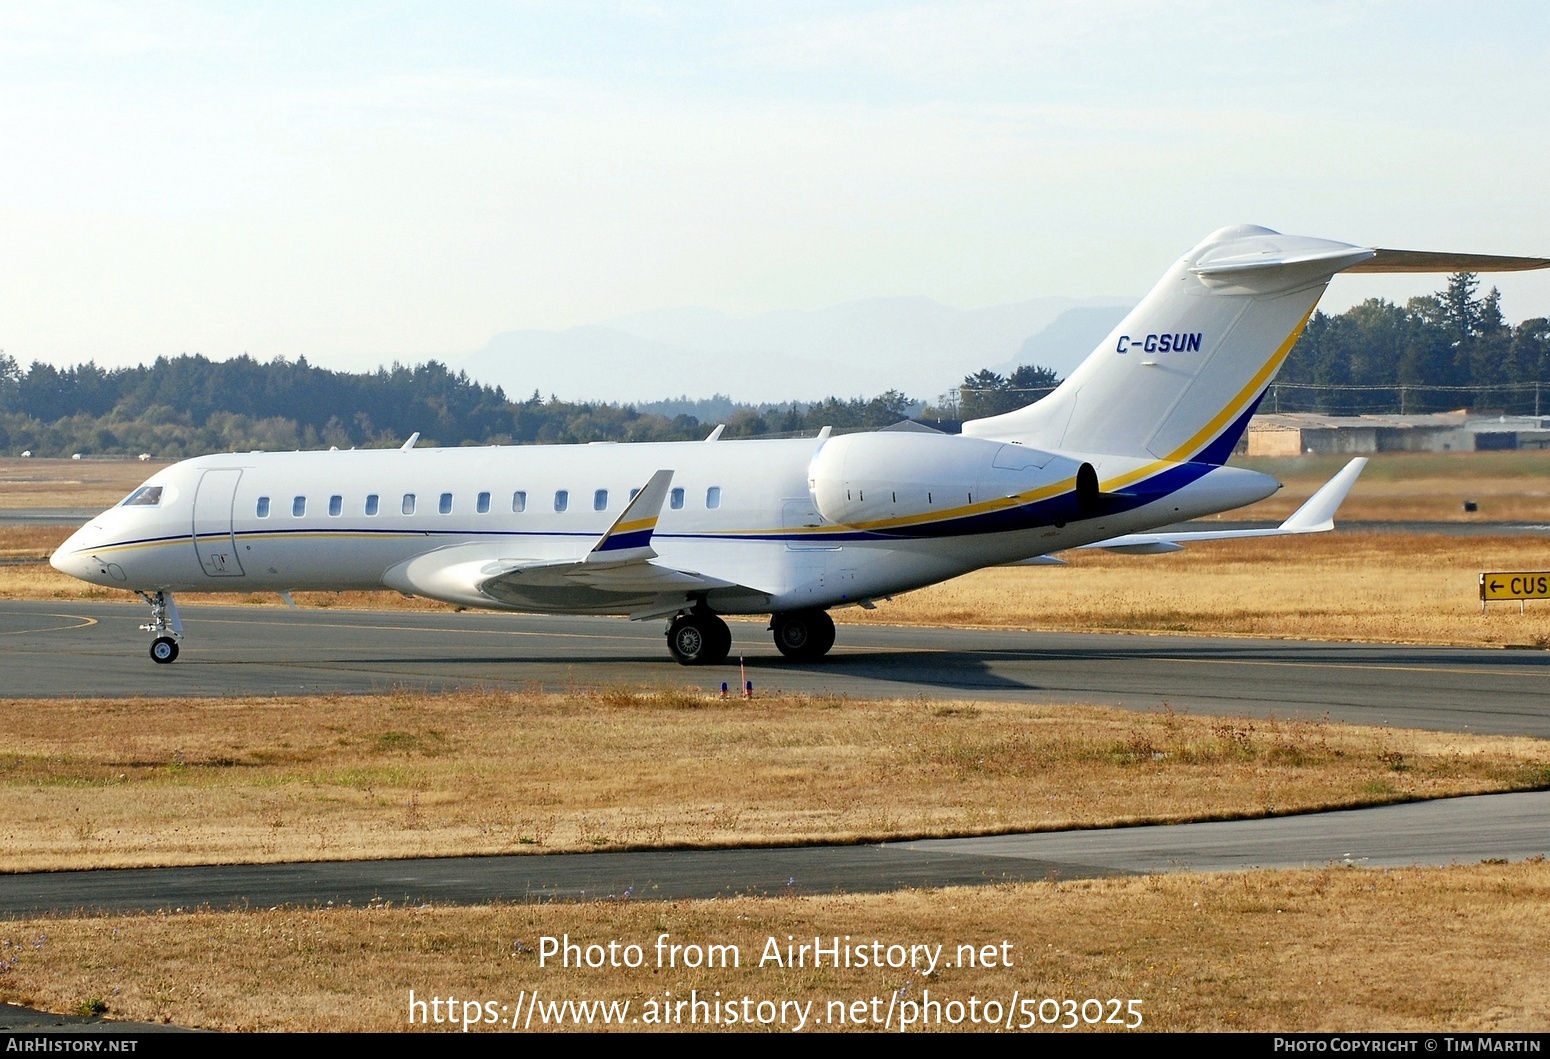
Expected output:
{"points": [[699, 638], [803, 635], [165, 625]]}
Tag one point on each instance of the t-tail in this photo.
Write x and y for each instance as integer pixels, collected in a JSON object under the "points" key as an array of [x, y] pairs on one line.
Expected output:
{"points": [[1180, 376]]}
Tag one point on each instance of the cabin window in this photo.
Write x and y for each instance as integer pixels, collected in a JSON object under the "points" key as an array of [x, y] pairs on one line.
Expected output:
{"points": [[408, 504], [335, 506], [298, 507], [371, 503], [482, 504], [444, 505], [519, 501], [676, 499], [713, 497], [145, 496], [634, 493], [263, 507], [600, 500], [561, 499]]}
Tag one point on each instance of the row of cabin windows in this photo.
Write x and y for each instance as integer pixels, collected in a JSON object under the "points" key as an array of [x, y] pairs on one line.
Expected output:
{"points": [[675, 500]]}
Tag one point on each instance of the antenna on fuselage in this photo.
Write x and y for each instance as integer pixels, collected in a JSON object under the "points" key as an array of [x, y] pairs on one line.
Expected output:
{"points": [[406, 446], [714, 434]]}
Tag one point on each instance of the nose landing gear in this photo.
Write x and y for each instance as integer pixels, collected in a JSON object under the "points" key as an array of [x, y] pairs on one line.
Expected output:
{"points": [[165, 624]]}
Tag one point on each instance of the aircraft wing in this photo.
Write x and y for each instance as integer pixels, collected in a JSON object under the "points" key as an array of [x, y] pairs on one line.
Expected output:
{"points": [[639, 588], [1317, 515], [617, 576]]}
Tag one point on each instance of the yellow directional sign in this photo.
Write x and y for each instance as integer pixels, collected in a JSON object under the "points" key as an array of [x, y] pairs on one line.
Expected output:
{"points": [[1515, 586]]}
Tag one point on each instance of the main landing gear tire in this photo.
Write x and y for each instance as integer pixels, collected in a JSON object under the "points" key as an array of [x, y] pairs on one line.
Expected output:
{"points": [[699, 639], [803, 635], [164, 649]]}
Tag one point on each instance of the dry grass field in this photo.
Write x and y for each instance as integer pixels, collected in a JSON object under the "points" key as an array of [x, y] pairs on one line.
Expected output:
{"points": [[1415, 486], [146, 781], [1338, 949], [1387, 587]]}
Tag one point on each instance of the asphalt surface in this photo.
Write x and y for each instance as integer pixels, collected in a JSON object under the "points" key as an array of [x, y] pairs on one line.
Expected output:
{"points": [[47, 516], [96, 649], [1459, 830]]}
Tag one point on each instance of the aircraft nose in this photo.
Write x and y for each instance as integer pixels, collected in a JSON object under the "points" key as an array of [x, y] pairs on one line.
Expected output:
{"points": [[63, 556], [66, 561], [71, 558]]}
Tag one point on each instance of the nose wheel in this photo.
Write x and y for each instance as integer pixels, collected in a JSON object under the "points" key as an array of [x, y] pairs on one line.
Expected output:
{"points": [[165, 625]]}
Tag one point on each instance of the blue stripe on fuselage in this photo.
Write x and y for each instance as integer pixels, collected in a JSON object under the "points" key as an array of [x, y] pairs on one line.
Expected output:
{"points": [[1219, 450]]}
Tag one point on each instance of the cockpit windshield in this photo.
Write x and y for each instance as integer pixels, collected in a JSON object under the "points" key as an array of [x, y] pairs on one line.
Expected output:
{"points": [[145, 496]]}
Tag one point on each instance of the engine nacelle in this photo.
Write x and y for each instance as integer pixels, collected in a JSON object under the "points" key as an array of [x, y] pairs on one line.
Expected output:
{"points": [[905, 482]]}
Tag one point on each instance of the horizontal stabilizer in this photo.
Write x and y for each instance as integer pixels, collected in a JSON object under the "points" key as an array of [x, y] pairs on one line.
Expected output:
{"points": [[1317, 515], [1325, 258], [1331, 258], [1431, 261]]}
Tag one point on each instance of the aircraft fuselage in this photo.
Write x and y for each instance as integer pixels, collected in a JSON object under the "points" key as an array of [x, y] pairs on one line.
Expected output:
{"points": [[752, 514]]}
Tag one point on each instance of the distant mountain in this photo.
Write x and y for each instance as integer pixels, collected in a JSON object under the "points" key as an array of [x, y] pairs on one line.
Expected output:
{"points": [[859, 348], [1068, 339]]}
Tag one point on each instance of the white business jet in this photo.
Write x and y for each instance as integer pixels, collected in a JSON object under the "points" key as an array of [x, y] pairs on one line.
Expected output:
{"points": [[1136, 439]]}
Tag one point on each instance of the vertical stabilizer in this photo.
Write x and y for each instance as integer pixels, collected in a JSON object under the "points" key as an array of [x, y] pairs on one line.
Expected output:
{"points": [[1179, 377]]}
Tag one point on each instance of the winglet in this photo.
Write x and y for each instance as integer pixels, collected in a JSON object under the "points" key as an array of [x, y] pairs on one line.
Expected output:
{"points": [[1317, 515], [628, 540], [406, 446]]}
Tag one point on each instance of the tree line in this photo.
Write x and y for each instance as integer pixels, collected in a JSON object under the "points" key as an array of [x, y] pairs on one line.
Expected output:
{"points": [[1452, 349], [187, 405]]}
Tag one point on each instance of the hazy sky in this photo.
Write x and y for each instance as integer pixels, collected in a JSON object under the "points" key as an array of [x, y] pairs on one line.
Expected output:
{"points": [[389, 181]]}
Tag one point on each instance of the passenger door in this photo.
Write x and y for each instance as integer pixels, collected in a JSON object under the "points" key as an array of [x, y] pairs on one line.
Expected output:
{"points": [[213, 538]]}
